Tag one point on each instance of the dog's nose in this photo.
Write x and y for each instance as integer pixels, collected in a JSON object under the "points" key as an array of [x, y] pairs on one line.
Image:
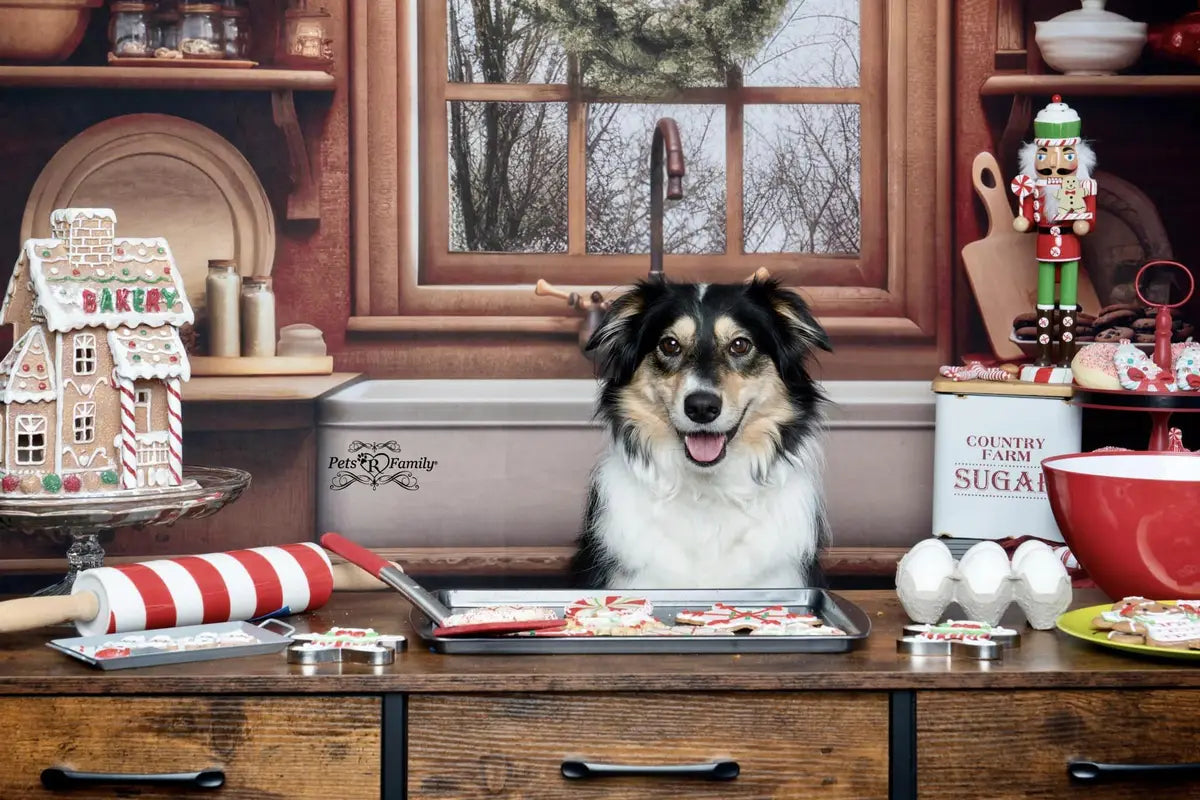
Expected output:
{"points": [[702, 407]]}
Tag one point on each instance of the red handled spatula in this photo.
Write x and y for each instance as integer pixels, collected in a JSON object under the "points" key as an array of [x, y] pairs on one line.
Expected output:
{"points": [[442, 617]]}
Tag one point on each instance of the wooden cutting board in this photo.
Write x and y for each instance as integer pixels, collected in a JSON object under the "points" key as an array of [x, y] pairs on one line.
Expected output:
{"points": [[1002, 266]]}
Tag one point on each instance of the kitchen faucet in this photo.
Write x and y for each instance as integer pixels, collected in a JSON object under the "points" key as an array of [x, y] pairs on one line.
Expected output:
{"points": [[665, 146]]}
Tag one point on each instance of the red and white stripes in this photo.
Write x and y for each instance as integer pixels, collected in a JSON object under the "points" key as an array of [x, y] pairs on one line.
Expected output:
{"points": [[174, 432], [203, 589], [128, 448]]}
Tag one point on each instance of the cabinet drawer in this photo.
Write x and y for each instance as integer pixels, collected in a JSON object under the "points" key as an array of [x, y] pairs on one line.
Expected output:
{"points": [[1014, 744], [294, 747], [811, 745]]}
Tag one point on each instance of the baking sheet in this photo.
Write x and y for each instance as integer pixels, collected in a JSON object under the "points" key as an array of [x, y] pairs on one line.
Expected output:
{"points": [[84, 647], [831, 608]]}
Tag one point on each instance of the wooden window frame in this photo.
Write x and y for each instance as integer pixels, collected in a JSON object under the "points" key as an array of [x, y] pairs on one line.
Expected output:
{"points": [[85, 354], [84, 422], [889, 318], [34, 425]]}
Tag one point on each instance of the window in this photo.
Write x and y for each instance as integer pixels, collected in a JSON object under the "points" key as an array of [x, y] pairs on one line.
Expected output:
{"points": [[31, 440], [141, 398], [823, 158], [84, 422], [85, 353], [151, 454]]}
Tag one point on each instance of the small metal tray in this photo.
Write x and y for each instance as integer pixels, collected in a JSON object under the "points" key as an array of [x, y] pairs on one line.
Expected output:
{"points": [[832, 609], [142, 652]]}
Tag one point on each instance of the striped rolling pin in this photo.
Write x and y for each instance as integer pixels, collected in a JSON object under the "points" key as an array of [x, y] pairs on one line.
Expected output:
{"points": [[191, 590]]}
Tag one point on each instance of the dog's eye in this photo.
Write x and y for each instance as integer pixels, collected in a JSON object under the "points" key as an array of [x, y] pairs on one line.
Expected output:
{"points": [[740, 346], [669, 346]]}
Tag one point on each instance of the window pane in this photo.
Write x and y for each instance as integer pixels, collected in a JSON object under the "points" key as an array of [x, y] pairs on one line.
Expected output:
{"points": [[618, 179], [489, 41], [802, 179], [816, 44], [508, 177]]}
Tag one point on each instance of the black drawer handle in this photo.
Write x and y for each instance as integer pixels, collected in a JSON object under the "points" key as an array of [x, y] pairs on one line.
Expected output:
{"points": [[57, 778], [713, 771], [1093, 772]]}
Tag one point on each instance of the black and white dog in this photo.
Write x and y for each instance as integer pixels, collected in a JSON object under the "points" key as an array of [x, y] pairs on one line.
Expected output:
{"points": [[712, 474]]}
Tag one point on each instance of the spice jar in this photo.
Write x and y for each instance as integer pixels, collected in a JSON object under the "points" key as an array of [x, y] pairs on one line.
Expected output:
{"points": [[306, 39], [129, 27], [258, 317], [200, 31], [235, 31], [164, 34], [222, 287]]}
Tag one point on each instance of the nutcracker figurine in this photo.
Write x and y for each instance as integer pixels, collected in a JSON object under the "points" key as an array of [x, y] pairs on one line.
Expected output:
{"points": [[1057, 196]]}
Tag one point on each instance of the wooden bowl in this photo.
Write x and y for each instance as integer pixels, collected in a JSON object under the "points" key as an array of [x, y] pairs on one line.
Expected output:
{"points": [[42, 31]]}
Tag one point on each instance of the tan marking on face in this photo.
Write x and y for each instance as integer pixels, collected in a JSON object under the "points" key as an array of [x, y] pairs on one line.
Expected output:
{"points": [[770, 410], [644, 404], [684, 331]]}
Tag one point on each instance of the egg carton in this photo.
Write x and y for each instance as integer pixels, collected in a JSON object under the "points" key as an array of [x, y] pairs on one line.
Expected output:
{"points": [[984, 582]]}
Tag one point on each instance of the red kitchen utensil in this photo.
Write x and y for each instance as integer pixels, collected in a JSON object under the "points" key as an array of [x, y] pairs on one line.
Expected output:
{"points": [[396, 578]]}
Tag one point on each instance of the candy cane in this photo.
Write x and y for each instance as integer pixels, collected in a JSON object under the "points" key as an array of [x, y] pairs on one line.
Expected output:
{"points": [[175, 434], [975, 371], [128, 449]]}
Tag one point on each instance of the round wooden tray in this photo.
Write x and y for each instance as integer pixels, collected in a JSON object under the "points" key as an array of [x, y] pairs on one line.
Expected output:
{"points": [[163, 176]]}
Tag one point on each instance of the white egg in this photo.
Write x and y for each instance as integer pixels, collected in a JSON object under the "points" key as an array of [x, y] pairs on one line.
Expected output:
{"points": [[1042, 569], [984, 568], [927, 564], [1025, 549]]}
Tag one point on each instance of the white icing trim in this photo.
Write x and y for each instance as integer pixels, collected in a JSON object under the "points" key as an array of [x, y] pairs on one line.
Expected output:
{"points": [[62, 317], [101, 380], [126, 367], [69, 214], [150, 437], [90, 465], [35, 339]]}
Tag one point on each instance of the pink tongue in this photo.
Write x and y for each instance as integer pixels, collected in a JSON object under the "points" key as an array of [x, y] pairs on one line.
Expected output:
{"points": [[704, 447]]}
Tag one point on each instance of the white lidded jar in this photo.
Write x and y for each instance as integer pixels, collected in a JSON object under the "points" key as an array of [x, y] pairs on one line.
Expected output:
{"points": [[258, 317], [222, 288]]}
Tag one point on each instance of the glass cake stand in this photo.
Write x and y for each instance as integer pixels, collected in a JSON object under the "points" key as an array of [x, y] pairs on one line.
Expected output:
{"points": [[82, 521]]}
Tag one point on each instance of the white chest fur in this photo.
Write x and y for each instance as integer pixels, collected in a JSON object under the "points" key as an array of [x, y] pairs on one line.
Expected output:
{"points": [[672, 526]]}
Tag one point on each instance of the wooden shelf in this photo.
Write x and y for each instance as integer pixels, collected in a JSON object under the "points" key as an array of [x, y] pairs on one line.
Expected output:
{"points": [[182, 78], [265, 388], [1090, 85]]}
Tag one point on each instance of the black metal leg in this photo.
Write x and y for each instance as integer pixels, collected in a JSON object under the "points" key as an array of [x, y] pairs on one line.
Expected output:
{"points": [[902, 747], [395, 747]]}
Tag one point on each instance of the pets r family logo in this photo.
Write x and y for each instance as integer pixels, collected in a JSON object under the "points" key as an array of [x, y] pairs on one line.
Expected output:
{"points": [[378, 464]]}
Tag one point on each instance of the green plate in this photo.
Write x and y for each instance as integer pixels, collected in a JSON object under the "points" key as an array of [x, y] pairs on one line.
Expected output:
{"points": [[1078, 623]]}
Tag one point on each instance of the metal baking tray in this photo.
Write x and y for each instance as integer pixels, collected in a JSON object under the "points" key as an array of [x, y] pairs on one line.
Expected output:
{"points": [[144, 654], [832, 609]]}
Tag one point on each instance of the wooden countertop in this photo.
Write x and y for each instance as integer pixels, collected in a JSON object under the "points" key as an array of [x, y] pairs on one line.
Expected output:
{"points": [[243, 389], [1046, 659]]}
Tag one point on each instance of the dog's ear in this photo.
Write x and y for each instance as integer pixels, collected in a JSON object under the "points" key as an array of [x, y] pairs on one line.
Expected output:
{"points": [[798, 329], [616, 340]]}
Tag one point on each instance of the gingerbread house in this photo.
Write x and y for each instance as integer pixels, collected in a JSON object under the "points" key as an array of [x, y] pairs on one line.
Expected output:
{"points": [[90, 392]]}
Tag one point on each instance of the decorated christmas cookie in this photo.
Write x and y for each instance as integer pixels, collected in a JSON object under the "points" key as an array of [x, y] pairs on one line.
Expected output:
{"points": [[488, 614], [729, 618], [610, 610]]}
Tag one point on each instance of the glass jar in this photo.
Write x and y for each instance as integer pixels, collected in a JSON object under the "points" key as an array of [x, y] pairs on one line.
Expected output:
{"points": [[235, 30], [164, 35], [258, 317], [306, 39], [200, 31], [221, 289], [129, 27]]}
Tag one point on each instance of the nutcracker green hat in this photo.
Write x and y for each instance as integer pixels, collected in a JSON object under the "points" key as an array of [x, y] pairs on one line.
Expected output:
{"points": [[1057, 123]]}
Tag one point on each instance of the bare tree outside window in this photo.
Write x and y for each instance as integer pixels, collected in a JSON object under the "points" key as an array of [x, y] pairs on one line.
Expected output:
{"points": [[774, 159]]}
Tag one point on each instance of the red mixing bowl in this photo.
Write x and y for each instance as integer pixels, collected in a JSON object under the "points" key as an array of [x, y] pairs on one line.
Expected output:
{"points": [[1132, 519]]}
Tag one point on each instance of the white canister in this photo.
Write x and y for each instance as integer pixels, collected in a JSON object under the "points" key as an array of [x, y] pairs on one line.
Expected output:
{"points": [[258, 317], [222, 287]]}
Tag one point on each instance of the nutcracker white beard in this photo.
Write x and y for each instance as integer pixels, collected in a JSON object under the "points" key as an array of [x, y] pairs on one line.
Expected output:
{"points": [[1086, 162], [711, 477]]}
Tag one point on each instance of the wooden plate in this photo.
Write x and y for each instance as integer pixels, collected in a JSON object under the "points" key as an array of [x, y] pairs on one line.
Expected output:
{"points": [[1078, 623], [164, 176]]}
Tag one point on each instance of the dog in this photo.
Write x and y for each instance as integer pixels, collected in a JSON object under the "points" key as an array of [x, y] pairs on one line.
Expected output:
{"points": [[711, 476]]}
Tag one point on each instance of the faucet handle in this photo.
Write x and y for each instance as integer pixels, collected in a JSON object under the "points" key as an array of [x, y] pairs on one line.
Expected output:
{"points": [[544, 289], [760, 274]]}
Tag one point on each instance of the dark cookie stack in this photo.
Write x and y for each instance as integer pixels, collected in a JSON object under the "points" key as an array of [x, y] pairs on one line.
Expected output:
{"points": [[1115, 322]]}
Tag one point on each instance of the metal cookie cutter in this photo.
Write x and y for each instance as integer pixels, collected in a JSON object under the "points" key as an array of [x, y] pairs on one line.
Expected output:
{"points": [[966, 639], [345, 646]]}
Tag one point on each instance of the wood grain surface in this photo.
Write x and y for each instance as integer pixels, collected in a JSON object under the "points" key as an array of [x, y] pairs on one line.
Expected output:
{"points": [[294, 748], [1002, 745], [1046, 659], [787, 746]]}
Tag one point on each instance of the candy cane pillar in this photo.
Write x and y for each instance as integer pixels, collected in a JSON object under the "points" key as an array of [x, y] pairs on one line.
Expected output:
{"points": [[174, 431], [128, 449]]}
